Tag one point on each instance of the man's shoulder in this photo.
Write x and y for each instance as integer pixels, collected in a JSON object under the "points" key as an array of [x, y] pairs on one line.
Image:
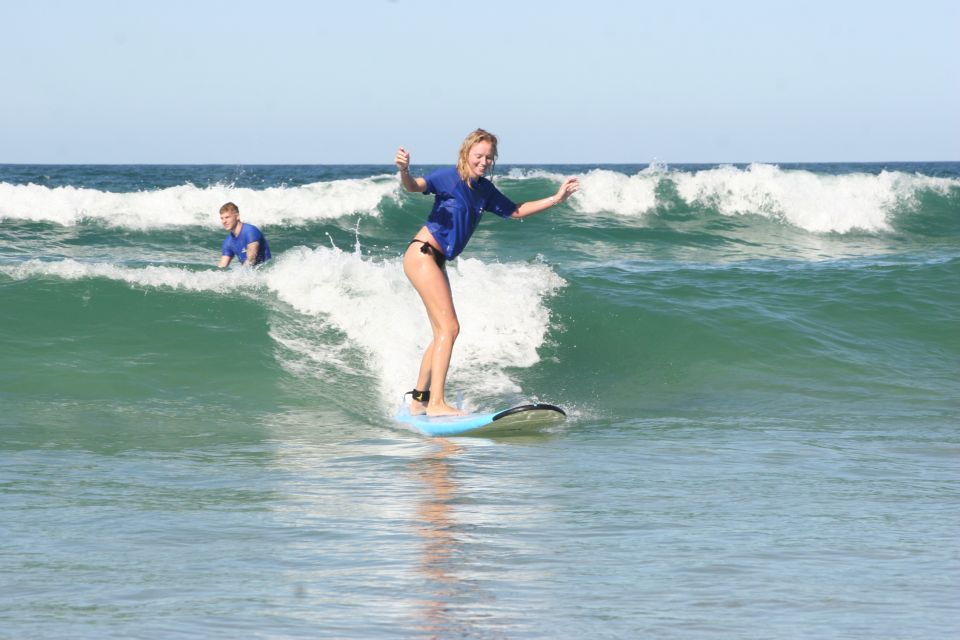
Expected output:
{"points": [[250, 231]]}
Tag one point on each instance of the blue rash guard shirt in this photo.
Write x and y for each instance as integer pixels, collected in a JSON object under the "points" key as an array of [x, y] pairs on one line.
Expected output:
{"points": [[457, 208], [237, 245]]}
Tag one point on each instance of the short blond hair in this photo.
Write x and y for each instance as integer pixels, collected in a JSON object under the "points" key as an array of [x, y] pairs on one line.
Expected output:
{"points": [[232, 208]]}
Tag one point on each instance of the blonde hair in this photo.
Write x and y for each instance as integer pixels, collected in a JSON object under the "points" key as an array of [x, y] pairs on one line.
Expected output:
{"points": [[479, 135], [232, 208]]}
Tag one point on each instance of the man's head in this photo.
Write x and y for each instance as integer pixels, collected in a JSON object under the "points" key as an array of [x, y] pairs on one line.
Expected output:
{"points": [[229, 216]]}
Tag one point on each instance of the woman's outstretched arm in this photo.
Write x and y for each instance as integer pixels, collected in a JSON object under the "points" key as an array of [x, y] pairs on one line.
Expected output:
{"points": [[567, 189]]}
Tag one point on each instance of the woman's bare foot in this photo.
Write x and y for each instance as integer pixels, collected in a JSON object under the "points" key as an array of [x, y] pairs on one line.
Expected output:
{"points": [[443, 409], [417, 408]]}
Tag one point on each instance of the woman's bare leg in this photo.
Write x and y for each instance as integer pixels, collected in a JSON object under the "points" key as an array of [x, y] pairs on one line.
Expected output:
{"points": [[432, 284]]}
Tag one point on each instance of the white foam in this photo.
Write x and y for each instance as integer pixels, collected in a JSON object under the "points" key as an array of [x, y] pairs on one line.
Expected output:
{"points": [[815, 202], [523, 173], [374, 305], [602, 190], [226, 281], [818, 203], [187, 205]]}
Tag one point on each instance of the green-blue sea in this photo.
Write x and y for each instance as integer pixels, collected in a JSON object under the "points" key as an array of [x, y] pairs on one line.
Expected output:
{"points": [[760, 363]]}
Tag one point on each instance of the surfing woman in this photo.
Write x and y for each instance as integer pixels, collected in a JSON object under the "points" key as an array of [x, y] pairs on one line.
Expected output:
{"points": [[461, 195]]}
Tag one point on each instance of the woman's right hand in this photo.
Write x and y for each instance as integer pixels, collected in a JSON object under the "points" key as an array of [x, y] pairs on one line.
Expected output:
{"points": [[402, 160]]}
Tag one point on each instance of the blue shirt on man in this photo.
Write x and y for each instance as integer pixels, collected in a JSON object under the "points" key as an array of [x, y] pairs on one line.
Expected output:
{"points": [[457, 208], [237, 245]]}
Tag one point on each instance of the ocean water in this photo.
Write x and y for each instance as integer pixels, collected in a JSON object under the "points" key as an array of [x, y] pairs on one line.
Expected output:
{"points": [[761, 364]]}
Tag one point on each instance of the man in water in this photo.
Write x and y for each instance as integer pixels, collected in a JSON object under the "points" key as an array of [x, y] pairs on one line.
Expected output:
{"points": [[244, 239]]}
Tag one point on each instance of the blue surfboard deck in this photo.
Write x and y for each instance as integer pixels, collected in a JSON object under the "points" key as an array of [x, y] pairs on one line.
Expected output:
{"points": [[522, 420]]}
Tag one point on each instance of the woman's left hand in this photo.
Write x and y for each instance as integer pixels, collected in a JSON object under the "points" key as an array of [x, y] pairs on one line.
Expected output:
{"points": [[567, 189]]}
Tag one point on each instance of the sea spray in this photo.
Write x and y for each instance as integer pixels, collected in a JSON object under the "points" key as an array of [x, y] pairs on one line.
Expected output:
{"points": [[372, 303]]}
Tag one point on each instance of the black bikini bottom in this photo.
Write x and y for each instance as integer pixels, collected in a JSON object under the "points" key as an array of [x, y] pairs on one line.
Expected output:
{"points": [[428, 248]]}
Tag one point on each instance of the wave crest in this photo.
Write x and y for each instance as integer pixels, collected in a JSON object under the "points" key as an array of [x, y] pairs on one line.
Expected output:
{"points": [[344, 304], [187, 205], [814, 202]]}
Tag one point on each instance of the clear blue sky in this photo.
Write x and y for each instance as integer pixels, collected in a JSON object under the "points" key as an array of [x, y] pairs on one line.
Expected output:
{"points": [[283, 81]]}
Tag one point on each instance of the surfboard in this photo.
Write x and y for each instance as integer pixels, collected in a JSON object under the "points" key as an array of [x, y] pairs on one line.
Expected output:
{"points": [[526, 419]]}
